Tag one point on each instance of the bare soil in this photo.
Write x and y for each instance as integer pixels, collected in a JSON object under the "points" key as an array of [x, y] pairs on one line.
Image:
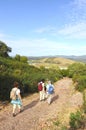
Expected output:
{"points": [[39, 115]]}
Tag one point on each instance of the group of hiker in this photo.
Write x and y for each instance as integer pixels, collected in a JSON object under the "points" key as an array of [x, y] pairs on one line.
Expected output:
{"points": [[46, 91]]}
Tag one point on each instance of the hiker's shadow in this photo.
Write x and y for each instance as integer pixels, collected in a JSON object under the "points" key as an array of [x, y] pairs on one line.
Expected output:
{"points": [[55, 98], [32, 104]]}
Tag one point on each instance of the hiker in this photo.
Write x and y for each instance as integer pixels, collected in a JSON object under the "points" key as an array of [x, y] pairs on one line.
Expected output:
{"points": [[49, 92], [41, 89], [16, 100]]}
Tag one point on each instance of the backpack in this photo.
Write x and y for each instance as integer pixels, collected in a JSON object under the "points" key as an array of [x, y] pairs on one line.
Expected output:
{"points": [[51, 89], [40, 86], [13, 95]]}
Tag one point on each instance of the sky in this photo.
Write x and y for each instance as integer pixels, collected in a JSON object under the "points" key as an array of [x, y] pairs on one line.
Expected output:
{"points": [[43, 27]]}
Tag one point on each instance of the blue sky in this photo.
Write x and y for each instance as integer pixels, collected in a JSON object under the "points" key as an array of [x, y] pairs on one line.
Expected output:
{"points": [[44, 27]]}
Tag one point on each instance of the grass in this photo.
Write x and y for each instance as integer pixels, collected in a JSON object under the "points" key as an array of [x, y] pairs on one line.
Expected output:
{"points": [[52, 62]]}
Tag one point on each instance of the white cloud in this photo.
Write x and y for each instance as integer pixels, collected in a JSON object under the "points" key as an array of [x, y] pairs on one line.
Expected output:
{"points": [[76, 17], [35, 47], [74, 31], [47, 29], [44, 47], [78, 10], [79, 3]]}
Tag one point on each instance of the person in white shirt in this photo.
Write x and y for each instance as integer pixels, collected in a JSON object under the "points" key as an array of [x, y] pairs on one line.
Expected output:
{"points": [[17, 103]]}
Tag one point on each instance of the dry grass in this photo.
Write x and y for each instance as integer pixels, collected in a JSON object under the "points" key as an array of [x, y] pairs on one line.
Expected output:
{"points": [[52, 62]]}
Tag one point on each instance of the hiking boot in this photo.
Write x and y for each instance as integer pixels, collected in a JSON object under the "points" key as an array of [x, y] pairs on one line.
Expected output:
{"points": [[14, 114]]}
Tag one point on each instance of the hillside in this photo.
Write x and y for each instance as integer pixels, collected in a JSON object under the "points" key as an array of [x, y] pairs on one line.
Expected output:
{"points": [[50, 62], [41, 116], [81, 58]]}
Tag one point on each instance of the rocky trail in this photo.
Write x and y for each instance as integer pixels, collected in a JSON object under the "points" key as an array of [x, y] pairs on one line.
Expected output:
{"points": [[39, 115]]}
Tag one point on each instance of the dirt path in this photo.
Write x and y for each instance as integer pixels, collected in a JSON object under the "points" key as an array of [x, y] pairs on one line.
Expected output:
{"points": [[36, 114]]}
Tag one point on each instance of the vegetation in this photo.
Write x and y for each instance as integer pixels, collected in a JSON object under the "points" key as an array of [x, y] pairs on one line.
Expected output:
{"points": [[77, 120], [28, 76], [4, 49], [77, 72]]}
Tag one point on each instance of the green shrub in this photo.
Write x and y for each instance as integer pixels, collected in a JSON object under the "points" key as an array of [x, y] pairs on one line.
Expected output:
{"points": [[56, 123], [28, 76], [84, 101], [64, 72], [77, 68], [64, 128], [81, 82], [76, 120]]}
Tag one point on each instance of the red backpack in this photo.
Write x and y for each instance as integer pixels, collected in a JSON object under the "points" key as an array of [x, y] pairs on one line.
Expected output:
{"points": [[40, 86]]}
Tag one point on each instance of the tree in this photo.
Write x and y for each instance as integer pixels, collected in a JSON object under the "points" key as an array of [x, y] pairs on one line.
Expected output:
{"points": [[17, 57], [24, 59], [21, 58], [4, 49]]}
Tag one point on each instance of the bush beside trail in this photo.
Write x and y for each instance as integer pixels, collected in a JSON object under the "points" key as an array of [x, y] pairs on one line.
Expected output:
{"points": [[28, 76]]}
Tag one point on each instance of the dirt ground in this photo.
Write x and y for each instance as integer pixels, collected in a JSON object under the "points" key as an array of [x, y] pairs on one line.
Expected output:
{"points": [[38, 115]]}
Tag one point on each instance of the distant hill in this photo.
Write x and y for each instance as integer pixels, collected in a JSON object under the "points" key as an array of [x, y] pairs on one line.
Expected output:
{"points": [[77, 58], [81, 58], [50, 62]]}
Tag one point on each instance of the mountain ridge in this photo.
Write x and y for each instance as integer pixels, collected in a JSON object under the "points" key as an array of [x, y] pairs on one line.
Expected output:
{"points": [[80, 58]]}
